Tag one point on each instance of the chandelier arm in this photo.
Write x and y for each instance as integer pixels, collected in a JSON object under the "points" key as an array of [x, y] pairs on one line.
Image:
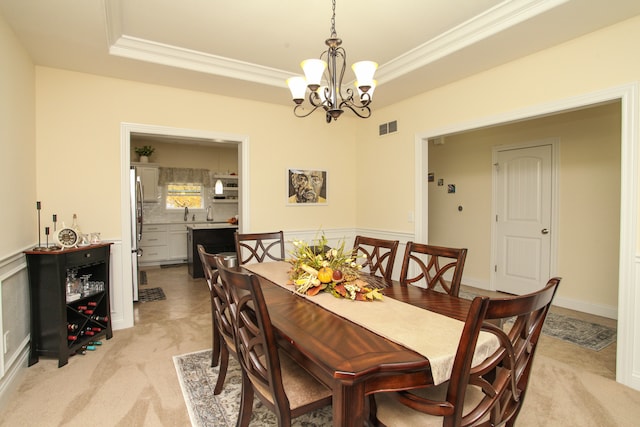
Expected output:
{"points": [[364, 100], [298, 110], [366, 111], [315, 100]]}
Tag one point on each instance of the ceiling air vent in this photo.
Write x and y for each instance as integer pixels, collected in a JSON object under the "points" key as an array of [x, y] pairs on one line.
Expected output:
{"points": [[389, 127]]}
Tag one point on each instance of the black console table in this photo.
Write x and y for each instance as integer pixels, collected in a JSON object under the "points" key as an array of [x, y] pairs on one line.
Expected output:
{"points": [[62, 324]]}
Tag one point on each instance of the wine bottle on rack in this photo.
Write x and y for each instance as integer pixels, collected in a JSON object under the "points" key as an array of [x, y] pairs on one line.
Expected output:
{"points": [[82, 308], [92, 304], [100, 318], [83, 349], [88, 312], [88, 332], [72, 326], [72, 337], [95, 329], [94, 343]]}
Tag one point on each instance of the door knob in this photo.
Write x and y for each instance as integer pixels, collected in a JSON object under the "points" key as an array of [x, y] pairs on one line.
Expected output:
{"points": [[545, 231]]}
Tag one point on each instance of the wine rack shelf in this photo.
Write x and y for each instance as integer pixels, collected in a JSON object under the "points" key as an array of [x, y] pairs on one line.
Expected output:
{"points": [[65, 320]]}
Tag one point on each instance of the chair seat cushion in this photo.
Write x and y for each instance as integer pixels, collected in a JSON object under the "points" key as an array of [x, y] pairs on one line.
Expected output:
{"points": [[300, 386], [393, 413]]}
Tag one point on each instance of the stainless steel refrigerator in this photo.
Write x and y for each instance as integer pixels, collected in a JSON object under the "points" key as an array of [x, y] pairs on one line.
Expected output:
{"points": [[136, 228]]}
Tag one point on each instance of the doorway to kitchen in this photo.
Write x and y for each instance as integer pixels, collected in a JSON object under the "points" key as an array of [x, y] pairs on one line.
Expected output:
{"points": [[130, 131]]}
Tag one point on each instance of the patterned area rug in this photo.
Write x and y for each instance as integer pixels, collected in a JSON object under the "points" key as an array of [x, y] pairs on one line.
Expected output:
{"points": [[198, 379], [143, 277], [151, 294], [585, 334]]}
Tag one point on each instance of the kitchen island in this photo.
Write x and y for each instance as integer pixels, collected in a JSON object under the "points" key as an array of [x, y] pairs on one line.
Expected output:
{"points": [[216, 237]]}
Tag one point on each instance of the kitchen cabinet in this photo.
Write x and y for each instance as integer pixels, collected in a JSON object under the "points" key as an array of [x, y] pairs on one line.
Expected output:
{"points": [[214, 239], [154, 245], [163, 244], [65, 317], [177, 241], [149, 178]]}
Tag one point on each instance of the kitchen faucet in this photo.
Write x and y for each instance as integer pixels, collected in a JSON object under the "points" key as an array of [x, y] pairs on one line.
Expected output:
{"points": [[186, 212]]}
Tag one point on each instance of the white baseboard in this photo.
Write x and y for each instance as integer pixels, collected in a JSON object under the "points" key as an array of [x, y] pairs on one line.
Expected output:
{"points": [[13, 378], [607, 311]]}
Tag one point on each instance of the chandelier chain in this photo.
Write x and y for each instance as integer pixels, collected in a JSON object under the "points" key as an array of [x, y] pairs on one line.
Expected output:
{"points": [[333, 21]]}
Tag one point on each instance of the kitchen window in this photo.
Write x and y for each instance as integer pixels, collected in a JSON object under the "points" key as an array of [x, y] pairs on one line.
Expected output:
{"points": [[180, 196]]}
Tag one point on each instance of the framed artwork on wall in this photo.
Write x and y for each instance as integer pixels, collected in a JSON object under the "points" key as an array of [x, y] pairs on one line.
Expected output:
{"points": [[306, 187]]}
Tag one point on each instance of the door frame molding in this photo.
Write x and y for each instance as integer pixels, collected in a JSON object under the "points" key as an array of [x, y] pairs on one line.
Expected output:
{"points": [[553, 240], [126, 129], [628, 357]]}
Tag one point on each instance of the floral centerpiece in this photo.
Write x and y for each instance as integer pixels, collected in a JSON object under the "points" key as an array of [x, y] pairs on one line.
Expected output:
{"points": [[316, 268]]}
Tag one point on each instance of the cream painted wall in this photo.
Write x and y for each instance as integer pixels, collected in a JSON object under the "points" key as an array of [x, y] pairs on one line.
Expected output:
{"points": [[589, 197], [79, 117], [17, 139], [597, 61], [19, 196]]}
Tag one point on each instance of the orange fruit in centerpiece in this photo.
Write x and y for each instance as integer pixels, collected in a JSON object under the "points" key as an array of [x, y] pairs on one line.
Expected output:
{"points": [[325, 275]]}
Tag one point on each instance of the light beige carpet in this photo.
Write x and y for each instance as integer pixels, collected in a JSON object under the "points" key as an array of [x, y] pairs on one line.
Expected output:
{"points": [[558, 395]]}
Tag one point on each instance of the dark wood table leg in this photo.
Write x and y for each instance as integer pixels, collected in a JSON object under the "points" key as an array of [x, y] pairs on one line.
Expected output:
{"points": [[348, 404]]}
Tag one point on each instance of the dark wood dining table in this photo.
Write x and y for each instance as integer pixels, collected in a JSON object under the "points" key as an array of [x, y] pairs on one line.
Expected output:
{"points": [[350, 359]]}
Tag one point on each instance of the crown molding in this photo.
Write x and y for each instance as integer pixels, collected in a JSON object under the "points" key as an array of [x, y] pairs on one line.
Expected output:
{"points": [[491, 22], [487, 24]]}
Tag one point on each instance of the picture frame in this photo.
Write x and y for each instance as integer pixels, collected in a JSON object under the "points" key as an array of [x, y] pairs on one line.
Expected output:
{"points": [[307, 187]]}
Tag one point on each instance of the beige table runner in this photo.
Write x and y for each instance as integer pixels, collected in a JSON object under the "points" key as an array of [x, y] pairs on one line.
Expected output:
{"points": [[431, 334]]}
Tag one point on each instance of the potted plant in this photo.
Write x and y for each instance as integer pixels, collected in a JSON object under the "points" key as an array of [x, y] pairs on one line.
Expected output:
{"points": [[144, 152]]}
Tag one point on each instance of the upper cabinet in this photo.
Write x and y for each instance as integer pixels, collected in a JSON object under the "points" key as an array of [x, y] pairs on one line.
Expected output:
{"points": [[149, 176]]}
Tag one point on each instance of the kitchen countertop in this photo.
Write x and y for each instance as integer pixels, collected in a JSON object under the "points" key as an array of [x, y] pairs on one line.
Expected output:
{"points": [[184, 222], [209, 225]]}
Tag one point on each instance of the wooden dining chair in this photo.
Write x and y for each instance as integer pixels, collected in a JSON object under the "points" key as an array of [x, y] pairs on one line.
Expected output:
{"points": [[258, 247], [427, 264], [491, 392], [280, 383], [208, 267], [222, 329], [380, 254]]}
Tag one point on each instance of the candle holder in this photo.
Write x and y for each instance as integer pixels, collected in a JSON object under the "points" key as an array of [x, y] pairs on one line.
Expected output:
{"points": [[52, 247], [39, 247]]}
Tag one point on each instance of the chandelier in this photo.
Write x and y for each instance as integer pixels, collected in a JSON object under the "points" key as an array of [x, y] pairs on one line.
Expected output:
{"points": [[329, 94]]}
